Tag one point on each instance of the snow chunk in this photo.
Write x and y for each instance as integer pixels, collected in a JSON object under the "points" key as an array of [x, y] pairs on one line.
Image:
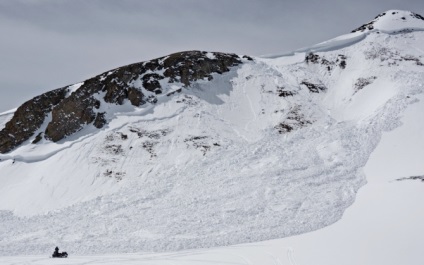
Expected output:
{"points": [[210, 55], [5, 117], [73, 88]]}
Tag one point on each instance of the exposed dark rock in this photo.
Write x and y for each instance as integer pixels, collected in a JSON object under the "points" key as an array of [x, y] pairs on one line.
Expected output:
{"points": [[284, 93], [312, 58], [115, 93], [172, 93], [283, 128], [188, 100], [412, 58], [417, 16], [186, 67], [341, 59], [156, 135], [296, 117], [151, 81], [123, 136], [75, 111], [100, 120], [117, 175], [326, 62], [149, 146], [370, 25], [152, 99], [28, 118], [136, 97], [363, 82], [412, 178], [199, 142], [115, 149], [294, 120], [38, 138], [314, 88], [111, 137]]}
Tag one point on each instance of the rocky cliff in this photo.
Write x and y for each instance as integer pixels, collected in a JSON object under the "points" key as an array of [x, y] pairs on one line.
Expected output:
{"points": [[72, 108]]}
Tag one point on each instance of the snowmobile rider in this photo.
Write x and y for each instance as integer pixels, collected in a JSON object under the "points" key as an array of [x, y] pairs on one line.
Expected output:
{"points": [[56, 252]]}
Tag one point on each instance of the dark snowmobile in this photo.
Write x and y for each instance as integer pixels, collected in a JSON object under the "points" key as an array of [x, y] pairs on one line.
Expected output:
{"points": [[57, 254]]}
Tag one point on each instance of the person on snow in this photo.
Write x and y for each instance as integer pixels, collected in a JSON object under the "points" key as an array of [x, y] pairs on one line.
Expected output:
{"points": [[56, 254]]}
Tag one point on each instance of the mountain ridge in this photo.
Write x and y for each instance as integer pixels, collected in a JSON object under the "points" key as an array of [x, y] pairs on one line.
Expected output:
{"points": [[71, 110], [21, 127]]}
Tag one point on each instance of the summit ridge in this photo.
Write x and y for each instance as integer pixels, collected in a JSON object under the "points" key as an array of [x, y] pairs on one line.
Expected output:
{"points": [[394, 21]]}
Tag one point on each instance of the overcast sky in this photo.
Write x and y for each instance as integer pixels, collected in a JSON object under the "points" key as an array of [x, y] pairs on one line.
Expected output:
{"points": [[47, 44]]}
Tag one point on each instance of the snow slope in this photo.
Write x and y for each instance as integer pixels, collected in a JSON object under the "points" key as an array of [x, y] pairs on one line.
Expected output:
{"points": [[5, 117], [383, 226], [274, 148], [389, 22]]}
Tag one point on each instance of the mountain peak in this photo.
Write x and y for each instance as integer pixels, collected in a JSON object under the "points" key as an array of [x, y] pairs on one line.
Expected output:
{"points": [[199, 149], [394, 21]]}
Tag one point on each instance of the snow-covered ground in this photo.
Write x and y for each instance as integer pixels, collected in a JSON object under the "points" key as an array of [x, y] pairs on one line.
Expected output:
{"points": [[208, 168], [383, 226]]}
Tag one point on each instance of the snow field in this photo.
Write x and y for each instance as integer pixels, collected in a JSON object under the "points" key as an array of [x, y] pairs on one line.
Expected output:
{"points": [[207, 167]]}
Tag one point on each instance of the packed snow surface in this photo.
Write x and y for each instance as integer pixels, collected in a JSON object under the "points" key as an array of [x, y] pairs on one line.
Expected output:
{"points": [[274, 148]]}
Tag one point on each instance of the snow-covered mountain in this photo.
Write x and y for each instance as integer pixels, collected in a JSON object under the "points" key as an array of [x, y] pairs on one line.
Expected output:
{"points": [[200, 149]]}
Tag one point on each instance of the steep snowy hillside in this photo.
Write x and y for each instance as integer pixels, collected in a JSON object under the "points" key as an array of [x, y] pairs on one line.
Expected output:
{"points": [[200, 149]]}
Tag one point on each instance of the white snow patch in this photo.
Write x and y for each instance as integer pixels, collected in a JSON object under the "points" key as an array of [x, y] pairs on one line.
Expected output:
{"points": [[73, 88], [210, 55], [393, 21], [5, 117]]}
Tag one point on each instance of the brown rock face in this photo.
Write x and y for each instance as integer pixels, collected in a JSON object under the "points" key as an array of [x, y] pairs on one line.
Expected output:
{"points": [[75, 111], [186, 67], [138, 83], [136, 97], [80, 108], [28, 118]]}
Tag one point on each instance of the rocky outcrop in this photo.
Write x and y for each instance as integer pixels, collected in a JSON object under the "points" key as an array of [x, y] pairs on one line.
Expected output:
{"points": [[185, 67], [313, 88], [138, 83], [75, 111], [313, 58], [28, 118], [119, 85]]}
